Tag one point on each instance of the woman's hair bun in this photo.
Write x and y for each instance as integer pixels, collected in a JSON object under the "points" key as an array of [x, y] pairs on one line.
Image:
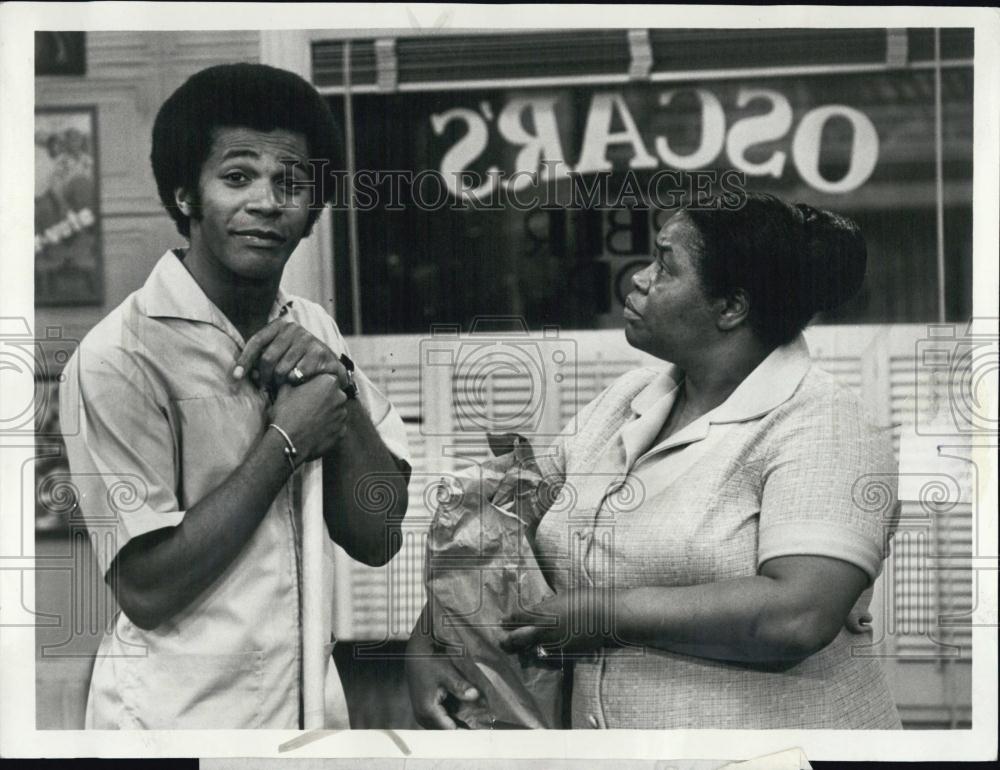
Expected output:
{"points": [[834, 258], [791, 261]]}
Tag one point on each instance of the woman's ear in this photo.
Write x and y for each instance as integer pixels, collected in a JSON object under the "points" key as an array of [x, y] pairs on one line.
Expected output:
{"points": [[734, 311]]}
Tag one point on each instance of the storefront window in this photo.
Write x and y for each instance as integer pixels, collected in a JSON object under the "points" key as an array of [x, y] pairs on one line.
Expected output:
{"points": [[452, 225]]}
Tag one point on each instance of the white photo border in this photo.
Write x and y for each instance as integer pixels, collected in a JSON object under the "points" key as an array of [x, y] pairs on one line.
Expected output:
{"points": [[18, 733]]}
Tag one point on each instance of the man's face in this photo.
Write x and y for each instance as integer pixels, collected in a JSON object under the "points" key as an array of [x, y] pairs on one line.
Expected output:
{"points": [[252, 213]]}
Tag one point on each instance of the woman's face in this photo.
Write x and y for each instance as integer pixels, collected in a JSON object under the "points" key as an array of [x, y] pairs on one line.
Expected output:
{"points": [[667, 314]]}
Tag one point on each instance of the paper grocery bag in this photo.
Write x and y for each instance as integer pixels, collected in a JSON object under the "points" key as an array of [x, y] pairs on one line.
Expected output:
{"points": [[480, 566]]}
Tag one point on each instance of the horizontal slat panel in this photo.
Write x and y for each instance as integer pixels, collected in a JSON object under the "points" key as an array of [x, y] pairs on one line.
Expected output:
{"points": [[693, 49], [531, 54], [512, 55], [956, 43], [328, 62]]}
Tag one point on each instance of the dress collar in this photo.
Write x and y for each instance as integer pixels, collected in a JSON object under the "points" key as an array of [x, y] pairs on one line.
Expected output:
{"points": [[769, 385], [662, 385]]}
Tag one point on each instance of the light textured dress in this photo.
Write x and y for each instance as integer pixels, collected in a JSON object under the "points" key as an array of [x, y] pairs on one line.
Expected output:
{"points": [[789, 464]]}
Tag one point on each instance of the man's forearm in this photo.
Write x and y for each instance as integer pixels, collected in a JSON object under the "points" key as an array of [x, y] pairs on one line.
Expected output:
{"points": [[162, 572], [364, 491]]}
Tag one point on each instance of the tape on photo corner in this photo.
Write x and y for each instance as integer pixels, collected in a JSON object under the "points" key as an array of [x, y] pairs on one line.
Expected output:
{"points": [[789, 759]]}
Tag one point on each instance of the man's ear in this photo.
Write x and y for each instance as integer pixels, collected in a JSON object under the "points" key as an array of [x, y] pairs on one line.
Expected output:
{"points": [[183, 200], [734, 310]]}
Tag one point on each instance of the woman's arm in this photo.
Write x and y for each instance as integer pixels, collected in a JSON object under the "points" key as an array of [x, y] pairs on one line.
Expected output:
{"points": [[795, 607], [826, 508], [432, 677]]}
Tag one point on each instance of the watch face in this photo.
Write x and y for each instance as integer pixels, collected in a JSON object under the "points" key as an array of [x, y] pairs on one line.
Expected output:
{"points": [[351, 391]]}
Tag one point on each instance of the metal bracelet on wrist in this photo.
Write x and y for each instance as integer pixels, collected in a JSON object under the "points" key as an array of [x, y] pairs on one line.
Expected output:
{"points": [[290, 451]]}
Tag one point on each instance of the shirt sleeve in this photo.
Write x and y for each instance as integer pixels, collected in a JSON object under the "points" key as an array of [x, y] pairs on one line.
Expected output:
{"points": [[383, 414], [829, 486], [122, 459]]}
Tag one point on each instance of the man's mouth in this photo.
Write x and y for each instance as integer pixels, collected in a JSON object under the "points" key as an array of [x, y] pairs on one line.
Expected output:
{"points": [[630, 308], [261, 235]]}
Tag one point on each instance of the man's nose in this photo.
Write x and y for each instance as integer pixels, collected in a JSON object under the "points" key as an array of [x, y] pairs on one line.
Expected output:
{"points": [[263, 200]]}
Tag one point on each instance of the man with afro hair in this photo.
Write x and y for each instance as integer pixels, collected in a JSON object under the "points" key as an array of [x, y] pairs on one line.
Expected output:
{"points": [[201, 396]]}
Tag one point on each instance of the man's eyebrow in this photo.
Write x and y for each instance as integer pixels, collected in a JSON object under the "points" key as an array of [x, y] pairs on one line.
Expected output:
{"points": [[240, 152], [295, 163]]}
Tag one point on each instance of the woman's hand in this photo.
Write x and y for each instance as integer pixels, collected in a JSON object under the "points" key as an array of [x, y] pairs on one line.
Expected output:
{"points": [[522, 475], [859, 621], [432, 678], [284, 353], [574, 621], [524, 483]]}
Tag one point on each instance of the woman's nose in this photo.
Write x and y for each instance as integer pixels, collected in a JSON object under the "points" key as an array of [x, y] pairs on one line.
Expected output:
{"points": [[640, 278]]}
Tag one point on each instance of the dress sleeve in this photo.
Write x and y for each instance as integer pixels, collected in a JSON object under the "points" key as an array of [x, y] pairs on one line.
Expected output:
{"points": [[123, 459], [829, 485]]}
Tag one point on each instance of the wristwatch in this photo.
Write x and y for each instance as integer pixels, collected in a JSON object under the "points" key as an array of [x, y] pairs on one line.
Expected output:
{"points": [[351, 389]]}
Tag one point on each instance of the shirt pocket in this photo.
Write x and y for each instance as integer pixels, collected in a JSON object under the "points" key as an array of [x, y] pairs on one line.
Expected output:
{"points": [[172, 691], [214, 436]]}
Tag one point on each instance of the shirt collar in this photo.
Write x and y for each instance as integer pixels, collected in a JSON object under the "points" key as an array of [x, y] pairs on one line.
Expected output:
{"points": [[172, 292], [769, 385]]}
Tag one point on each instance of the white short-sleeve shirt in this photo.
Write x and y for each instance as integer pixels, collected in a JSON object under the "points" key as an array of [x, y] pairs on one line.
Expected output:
{"points": [[163, 423]]}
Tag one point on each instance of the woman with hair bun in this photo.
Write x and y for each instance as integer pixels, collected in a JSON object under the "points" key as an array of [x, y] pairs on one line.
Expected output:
{"points": [[723, 529]]}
